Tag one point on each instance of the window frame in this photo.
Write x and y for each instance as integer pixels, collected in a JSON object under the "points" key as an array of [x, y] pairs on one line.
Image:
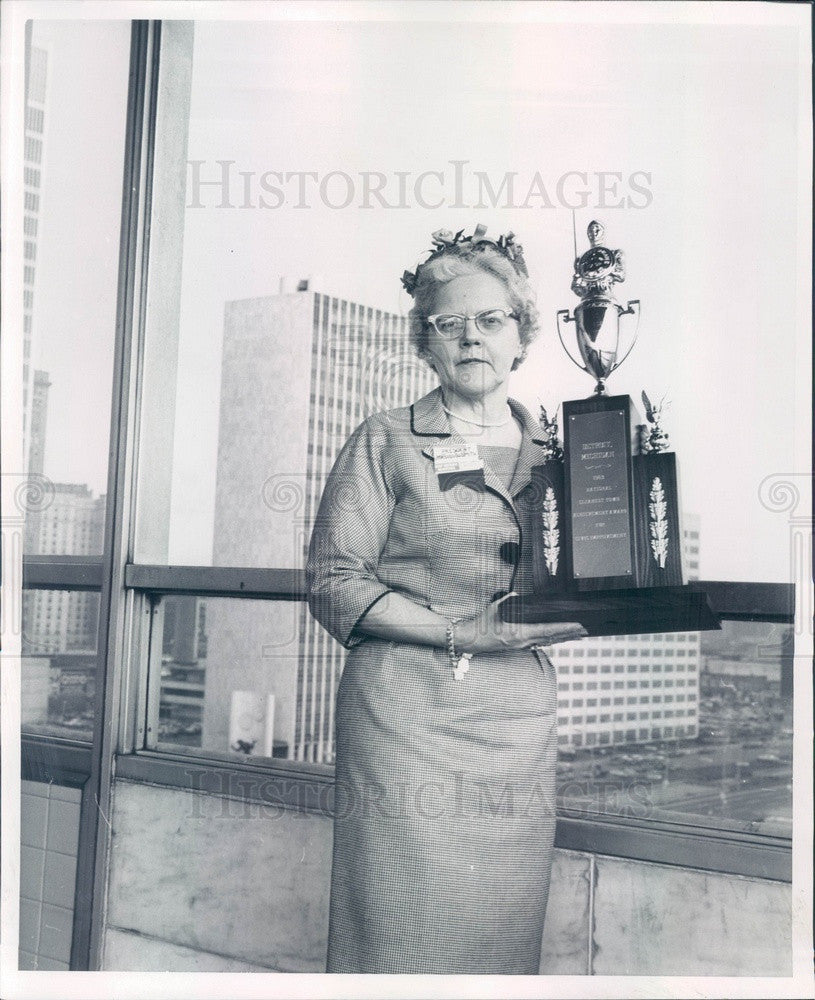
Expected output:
{"points": [[727, 847]]}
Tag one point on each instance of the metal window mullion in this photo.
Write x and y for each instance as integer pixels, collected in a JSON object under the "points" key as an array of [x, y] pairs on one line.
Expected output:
{"points": [[133, 704], [154, 615], [94, 839]]}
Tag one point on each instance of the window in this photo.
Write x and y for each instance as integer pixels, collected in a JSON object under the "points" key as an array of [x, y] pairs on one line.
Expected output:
{"points": [[33, 150], [215, 527], [69, 299], [75, 111]]}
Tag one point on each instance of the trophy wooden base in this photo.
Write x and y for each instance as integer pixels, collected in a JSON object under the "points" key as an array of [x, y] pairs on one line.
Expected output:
{"points": [[618, 612]]}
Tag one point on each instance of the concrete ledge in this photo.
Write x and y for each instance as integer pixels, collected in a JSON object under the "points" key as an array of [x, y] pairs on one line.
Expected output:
{"points": [[127, 951]]}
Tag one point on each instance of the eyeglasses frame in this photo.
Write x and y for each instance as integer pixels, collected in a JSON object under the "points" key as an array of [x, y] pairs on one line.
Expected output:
{"points": [[432, 321]]}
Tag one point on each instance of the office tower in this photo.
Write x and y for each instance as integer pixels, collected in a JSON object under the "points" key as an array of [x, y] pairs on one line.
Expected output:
{"points": [[38, 421], [627, 689], [60, 621], [183, 666], [37, 418], [300, 372], [36, 78]]}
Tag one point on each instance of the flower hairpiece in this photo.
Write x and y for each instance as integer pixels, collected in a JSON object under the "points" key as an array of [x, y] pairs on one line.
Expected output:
{"points": [[444, 241]]}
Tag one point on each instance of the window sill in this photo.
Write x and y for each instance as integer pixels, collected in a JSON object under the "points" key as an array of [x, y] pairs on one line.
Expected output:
{"points": [[309, 788]]}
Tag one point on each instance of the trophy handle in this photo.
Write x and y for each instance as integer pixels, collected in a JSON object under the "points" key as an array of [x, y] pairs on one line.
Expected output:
{"points": [[629, 310], [568, 319]]}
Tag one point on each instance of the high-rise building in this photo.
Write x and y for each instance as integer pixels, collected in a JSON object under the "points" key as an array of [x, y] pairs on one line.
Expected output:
{"points": [[300, 373], [37, 417], [36, 89], [61, 621], [183, 668], [38, 421], [626, 689]]}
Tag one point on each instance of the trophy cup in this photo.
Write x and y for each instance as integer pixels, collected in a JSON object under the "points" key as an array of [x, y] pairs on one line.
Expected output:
{"points": [[597, 318], [607, 542]]}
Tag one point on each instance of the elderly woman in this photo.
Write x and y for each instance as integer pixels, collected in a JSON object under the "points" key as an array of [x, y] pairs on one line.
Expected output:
{"points": [[445, 717]]}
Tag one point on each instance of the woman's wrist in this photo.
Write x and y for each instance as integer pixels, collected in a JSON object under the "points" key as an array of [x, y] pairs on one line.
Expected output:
{"points": [[466, 635]]}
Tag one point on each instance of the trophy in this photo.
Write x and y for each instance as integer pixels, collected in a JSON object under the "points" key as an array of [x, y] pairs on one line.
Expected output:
{"points": [[607, 541]]}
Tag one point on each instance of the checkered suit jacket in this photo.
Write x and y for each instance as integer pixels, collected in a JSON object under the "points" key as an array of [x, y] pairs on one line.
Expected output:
{"points": [[385, 523]]}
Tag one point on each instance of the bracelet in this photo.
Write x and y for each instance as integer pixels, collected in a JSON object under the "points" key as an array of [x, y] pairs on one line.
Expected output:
{"points": [[460, 664]]}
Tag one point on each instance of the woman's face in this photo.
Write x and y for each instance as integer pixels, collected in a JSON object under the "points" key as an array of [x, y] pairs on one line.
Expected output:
{"points": [[473, 364]]}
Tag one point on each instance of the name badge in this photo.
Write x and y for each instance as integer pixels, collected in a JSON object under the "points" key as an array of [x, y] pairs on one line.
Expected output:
{"points": [[456, 458], [458, 465]]}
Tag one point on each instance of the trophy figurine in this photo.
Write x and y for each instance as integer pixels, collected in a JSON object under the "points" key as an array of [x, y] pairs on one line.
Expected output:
{"points": [[597, 317]]}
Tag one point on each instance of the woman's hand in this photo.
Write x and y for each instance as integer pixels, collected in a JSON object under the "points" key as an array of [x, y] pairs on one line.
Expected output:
{"points": [[489, 633]]}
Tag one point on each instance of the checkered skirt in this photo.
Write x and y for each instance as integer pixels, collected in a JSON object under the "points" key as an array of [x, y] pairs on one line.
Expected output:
{"points": [[444, 823]]}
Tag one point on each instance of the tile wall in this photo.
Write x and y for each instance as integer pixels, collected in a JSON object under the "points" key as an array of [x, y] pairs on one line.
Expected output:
{"points": [[49, 835]]}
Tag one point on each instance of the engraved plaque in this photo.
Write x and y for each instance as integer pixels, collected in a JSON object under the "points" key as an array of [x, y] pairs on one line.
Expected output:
{"points": [[600, 506]]}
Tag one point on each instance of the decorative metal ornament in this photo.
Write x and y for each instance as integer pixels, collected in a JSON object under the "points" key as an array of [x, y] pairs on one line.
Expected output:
{"points": [[658, 522], [653, 439], [551, 533], [597, 317], [462, 666], [552, 450]]}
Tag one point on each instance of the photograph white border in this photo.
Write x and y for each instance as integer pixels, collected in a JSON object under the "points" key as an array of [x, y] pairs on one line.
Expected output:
{"points": [[15, 984]]}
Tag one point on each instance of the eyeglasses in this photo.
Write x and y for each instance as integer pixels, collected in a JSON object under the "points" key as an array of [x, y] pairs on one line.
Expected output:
{"points": [[452, 325]]}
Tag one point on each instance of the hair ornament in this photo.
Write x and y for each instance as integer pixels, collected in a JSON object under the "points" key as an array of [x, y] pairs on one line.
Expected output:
{"points": [[444, 242]]}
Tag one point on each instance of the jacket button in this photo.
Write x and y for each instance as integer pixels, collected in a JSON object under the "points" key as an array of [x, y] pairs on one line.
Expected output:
{"points": [[509, 552]]}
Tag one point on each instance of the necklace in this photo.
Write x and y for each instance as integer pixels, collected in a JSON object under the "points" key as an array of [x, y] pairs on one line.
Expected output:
{"points": [[477, 423]]}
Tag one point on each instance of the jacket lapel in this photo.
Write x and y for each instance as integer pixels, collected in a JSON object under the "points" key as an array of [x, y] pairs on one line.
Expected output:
{"points": [[428, 420]]}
